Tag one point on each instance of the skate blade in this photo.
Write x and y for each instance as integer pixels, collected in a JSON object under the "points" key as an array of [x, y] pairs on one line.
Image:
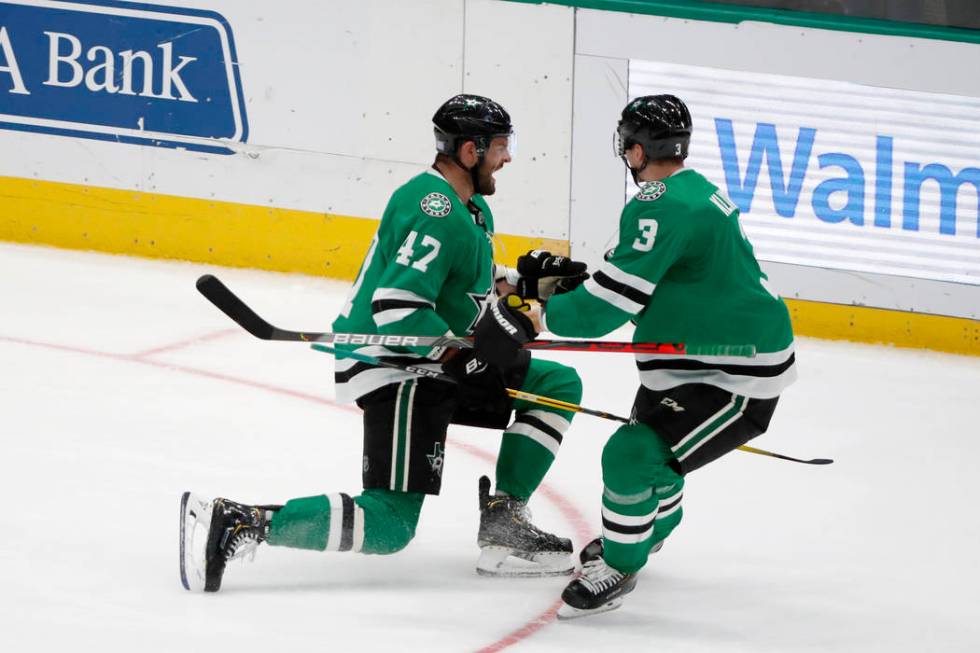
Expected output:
{"points": [[195, 522], [566, 612], [505, 562]]}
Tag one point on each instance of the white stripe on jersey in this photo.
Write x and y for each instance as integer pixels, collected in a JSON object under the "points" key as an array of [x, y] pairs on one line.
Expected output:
{"points": [[381, 294], [757, 387], [394, 314], [611, 297], [628, 279], [384, 318], [373, 378]]}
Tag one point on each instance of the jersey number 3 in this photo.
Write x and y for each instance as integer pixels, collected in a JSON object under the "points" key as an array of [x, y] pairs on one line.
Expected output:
{"points": [[648, 233], [407, 251]]}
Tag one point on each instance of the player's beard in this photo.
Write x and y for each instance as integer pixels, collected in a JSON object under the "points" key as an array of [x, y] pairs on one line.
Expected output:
{"points": [[485, 183]]}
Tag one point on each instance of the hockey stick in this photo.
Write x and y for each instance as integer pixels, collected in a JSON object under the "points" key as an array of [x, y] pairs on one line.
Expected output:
{"points": [[531, 397], [763, 452], [231, 305], [442, 376]]}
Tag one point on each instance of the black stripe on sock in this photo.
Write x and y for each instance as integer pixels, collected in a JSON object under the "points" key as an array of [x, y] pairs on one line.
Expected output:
{"points": [[347, 523], [740, 370], [670, 505], [626, 530], [540, 425], [620, 288]]}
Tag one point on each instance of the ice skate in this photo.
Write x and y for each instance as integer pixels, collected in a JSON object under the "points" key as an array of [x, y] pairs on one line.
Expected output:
{"points": [[510, 545], [599, 589], [595, 549], [215, 532]]}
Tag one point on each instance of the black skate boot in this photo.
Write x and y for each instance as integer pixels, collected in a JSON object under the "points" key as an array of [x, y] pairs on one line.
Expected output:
{"points": [[599, 588], [510, 545], [215, 532]]}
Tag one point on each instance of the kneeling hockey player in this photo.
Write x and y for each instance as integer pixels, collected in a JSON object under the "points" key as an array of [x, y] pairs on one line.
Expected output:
{"points": [[429, 271]]}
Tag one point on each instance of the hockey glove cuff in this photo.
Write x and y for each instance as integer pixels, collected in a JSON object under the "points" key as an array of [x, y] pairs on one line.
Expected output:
{"points": [[544, 274], [499, 334]]}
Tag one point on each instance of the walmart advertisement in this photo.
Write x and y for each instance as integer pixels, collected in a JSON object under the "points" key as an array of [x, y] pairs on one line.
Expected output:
{"points": [[836, 174]]}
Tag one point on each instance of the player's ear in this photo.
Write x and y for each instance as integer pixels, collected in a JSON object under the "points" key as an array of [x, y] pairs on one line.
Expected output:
{"points": [[468, 154]]}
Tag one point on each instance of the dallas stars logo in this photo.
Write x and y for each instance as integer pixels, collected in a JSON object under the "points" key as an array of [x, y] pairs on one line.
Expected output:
{"points": [[482, 304], [435, 459], [436, 204], [651, 191]]}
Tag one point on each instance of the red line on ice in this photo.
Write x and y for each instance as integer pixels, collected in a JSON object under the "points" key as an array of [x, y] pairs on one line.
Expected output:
{"points": [[583, 531], [197, 340]]}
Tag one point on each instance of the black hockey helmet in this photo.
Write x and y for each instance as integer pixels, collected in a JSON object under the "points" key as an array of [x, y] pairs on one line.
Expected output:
{"points": [[470, 118], [660, 123]]}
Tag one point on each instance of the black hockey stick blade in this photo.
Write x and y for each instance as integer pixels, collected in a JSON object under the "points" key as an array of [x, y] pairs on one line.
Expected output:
{"points": [[219, 294]]}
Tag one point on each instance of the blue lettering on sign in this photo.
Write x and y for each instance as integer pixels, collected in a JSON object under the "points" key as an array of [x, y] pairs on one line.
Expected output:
{"points": [[121, 71], [852, 185]]}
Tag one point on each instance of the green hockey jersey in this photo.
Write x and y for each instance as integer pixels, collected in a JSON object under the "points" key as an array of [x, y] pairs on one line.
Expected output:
{"points": [[429, 271], [683, 271]]}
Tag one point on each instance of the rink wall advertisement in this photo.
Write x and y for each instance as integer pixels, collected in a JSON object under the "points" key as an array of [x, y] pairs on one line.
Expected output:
{"points": [[220, 131], [835, 174], [232, 133], [855, 165], [122, 72]]}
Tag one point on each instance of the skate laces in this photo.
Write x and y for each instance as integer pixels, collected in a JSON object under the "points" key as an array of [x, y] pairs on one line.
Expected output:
{"points": [[243, 544], [246, 537], [597, 576]]}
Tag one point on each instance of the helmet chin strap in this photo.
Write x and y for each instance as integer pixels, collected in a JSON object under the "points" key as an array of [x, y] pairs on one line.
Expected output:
{"points": [[636, 171]]}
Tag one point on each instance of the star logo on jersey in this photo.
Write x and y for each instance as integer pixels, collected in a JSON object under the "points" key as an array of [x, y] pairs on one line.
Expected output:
{"points": [[650, 191], [435, 459], [436, 204], [482, 304]]}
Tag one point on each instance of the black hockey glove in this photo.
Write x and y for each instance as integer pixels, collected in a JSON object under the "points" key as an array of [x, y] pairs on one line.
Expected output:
{"points": [[501, 331], [480, 385], [544, 274]]}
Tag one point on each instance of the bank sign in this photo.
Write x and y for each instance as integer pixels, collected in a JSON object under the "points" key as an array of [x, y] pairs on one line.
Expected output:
{"points": [[834, 174], [121, 71]]}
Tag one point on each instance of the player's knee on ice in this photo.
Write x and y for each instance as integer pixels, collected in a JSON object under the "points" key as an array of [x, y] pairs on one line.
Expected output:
{"points": [[390, 519]]}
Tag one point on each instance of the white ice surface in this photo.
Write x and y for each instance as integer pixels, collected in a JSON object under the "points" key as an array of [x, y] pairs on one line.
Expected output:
{"points": [[120, 387]]}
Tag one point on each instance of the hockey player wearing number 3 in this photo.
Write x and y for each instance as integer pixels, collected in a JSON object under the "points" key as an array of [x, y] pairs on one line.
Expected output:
{"points": [[682, 271], [429, 271]]}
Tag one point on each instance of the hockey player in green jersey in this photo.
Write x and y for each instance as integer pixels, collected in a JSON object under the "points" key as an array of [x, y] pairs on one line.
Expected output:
{"points": [[682, 271], [429, 271]]}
